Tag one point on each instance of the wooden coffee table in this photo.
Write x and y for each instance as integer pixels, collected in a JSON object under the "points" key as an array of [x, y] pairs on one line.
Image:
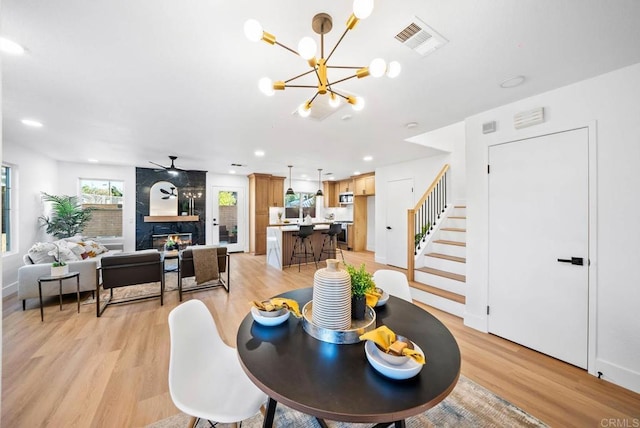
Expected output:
{"points": [[336, 382]]}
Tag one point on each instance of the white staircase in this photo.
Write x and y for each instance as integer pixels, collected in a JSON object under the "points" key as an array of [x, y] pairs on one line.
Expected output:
{"points": [[441, 275]]}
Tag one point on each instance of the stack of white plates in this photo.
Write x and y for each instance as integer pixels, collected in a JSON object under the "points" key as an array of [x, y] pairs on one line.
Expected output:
{"points": [[332, 297]]}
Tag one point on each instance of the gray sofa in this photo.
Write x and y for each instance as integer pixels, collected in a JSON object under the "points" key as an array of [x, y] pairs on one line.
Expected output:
{"points": [[89, 276]]}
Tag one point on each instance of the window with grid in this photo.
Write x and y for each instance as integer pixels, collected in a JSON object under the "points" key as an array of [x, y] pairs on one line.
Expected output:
{"points": [[299, 205]]}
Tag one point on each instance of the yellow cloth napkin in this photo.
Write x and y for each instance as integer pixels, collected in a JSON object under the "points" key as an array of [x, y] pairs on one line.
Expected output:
{"points": [[277, 303], [384, 337], [372, 298]]}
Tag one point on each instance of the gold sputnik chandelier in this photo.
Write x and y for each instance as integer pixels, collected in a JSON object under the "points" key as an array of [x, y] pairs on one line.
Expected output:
{"points": [[322, 24]]}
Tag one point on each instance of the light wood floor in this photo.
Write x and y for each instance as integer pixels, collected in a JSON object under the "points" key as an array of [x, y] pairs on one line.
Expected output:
{"points": [[79, 370]]}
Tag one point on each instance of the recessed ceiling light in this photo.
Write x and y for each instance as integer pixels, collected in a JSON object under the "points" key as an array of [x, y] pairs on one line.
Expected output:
{"points": [[304, 176], [346, 117], [31, 122], [232, 171], [92, 160], [512, 82], [332, 178], [367, 158], [10, 47], [259, 153], [356, 172], [411, 125]]}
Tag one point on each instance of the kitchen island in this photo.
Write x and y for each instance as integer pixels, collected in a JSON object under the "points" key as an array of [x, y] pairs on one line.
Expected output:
{"points": [[280, 240]]}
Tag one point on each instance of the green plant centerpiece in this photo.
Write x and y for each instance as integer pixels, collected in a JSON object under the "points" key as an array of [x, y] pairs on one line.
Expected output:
{"points": [[68, 217], [361, 284]]}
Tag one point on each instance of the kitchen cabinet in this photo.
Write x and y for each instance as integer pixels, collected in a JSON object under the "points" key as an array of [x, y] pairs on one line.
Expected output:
{"points": [[359, 233], [276, 191], [350, 237], [259, 196], [345, 186], [330, 189], [365, 185]]}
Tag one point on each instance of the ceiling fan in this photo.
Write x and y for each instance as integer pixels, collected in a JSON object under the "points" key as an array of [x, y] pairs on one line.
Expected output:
{"points": [[170, 169]]}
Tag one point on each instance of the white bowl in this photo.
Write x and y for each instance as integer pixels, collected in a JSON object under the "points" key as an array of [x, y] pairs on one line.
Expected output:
{"points": [[382, 300], [268, 321], [403, 371], [395, 360], [272, 314]]}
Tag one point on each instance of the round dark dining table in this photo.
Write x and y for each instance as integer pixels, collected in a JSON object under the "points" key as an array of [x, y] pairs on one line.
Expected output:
{"points": [[335, 381]]}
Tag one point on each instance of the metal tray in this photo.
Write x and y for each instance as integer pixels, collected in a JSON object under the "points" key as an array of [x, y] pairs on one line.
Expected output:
{"points": [[341, 337]]}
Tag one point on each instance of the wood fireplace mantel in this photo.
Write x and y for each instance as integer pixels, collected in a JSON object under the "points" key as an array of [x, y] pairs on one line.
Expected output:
{"points": [[169, 218]]}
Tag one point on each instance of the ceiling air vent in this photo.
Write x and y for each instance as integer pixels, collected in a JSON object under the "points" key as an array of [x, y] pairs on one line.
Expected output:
{"points": [[419, 37]]}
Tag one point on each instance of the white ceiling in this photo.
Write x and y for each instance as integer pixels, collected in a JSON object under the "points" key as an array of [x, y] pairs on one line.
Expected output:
{"points": [[129, 81]]}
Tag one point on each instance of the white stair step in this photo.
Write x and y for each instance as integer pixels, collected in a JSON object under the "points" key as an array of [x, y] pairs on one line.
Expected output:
{"points": [[441, 262], [451, 250], [438, 302], [442, 282], [450, 234]]}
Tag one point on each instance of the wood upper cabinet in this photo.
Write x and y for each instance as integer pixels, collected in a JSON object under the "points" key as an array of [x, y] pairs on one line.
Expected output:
{"points": [[330, 189], [345, 186], [365, 185], [276, 191]]}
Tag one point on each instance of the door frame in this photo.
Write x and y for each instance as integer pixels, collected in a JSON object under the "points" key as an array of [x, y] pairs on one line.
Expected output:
{"points": [[592, 222], [242, 228]]}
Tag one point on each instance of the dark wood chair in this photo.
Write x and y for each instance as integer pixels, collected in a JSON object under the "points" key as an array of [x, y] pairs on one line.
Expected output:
{"points": [[187, 270], [124, 269]]}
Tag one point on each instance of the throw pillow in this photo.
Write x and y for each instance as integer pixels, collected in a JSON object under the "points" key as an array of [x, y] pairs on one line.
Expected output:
{"points": [[66, 255], [39, 252]]}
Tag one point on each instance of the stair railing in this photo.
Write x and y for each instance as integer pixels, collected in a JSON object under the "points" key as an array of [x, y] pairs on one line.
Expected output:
{"points": [[425, 215]]}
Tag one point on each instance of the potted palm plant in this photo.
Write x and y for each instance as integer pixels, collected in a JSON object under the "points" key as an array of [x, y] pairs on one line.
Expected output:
{"points": [[68, 217], [361, 284]]}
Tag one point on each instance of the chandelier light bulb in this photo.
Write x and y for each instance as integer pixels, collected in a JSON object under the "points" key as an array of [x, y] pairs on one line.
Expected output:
{"points": [[307, 48], [393, 69], [303, 110], [253, 30], [266, 86], [333, 100], [362, 8], [377, 67], [359, 104]]}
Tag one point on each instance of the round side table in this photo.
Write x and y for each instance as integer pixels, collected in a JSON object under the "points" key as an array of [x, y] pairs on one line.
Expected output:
{"points": [[59, 278]]}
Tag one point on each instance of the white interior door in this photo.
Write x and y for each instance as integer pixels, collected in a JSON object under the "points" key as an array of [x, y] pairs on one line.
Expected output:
{"points": [[399, 200], [538, 214], [228, 226]]}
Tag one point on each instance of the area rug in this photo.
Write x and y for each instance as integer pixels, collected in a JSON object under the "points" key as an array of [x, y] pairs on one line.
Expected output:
{"points": [[468, 406], [170, 284]]}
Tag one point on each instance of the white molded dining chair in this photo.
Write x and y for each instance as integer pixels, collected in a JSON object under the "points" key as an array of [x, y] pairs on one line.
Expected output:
{"points": [[393, 282], [206, 380]]}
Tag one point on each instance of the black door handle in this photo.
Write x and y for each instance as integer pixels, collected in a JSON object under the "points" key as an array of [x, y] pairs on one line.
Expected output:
{"points": [[388, 227], [574, 261]]}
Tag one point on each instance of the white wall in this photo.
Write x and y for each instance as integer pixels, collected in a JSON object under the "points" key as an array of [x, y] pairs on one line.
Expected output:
{"points": [[34, 173], [422, 171], [611, 103], [70, 173], [450, 139]]}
